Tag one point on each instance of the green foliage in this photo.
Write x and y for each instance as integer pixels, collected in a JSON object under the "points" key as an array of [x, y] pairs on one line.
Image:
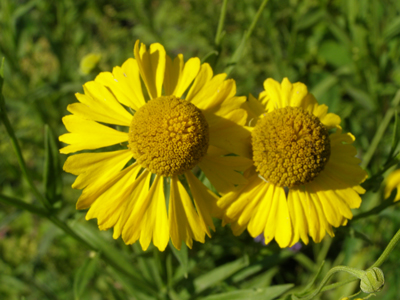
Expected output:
{"points": [[346, 51]]}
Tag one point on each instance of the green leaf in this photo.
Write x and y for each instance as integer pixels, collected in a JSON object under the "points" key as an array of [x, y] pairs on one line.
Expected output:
{"points": [[246, 36], [324, 86], [52, 170], [360, 96], [117, 260], [84, 274], [23, 205], [311, 283], [220, 273], [253, 294], [131, 286], [93, 237], [182, 256], [262, 280], [148, 266]]}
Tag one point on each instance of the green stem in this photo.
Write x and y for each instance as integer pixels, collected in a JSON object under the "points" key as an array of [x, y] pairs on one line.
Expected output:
{"points": [[337, 284], [388, 249], [381, 130], [221, 22], [17, 149], [375, 210], [23, 205], [254, 23], [239, 51], [332, 271]]}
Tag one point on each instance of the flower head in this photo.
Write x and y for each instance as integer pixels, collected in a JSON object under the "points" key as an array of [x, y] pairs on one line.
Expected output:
{"points": [[184, 118], [304, 179]]}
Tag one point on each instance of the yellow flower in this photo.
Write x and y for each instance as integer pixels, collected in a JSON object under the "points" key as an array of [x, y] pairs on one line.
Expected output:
{"points": [[167, 135], [393, 182], [304, 180]]}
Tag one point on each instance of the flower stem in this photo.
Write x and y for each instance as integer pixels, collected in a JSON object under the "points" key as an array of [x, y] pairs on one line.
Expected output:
{"points": [[388, 249], [218, 36], [17, 149], [239, 50], [332, 271], [381, 130]]}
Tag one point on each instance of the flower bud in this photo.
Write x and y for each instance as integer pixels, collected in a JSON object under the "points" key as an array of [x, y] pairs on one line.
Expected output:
{"points": [[372, 280]]}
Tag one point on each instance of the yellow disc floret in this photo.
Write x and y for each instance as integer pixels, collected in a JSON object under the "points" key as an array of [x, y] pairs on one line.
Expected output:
{"points": [[290, 146], [168, 136]]}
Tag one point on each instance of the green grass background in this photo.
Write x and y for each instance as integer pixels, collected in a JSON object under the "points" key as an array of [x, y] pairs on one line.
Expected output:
{"points": [[347, 52]]}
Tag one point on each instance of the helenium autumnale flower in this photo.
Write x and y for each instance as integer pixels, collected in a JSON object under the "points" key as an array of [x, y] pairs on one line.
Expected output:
{"points": [[305, 177], [184, 118]]}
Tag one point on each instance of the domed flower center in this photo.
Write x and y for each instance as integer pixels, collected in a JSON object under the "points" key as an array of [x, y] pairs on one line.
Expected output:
{"points": [[168, 136], [290, 146]]}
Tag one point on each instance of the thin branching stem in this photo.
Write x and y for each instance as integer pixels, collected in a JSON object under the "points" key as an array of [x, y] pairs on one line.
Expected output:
{"points": [[381, 130], [18, 152]]}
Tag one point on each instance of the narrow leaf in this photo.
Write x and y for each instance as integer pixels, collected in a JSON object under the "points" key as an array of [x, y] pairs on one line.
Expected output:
{"points": [[182, 256], [116, 259], [23, 205], [84, 274], [132, 287], [218, 274]]}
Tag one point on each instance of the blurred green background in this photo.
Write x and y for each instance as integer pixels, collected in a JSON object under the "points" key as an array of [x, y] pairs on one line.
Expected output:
{"points": [[347, 52]]}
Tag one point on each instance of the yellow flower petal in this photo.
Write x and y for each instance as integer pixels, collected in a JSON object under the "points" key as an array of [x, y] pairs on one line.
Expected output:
{"points": [[98, 104], [315, 217], [207, 92], [125, 84], [134, 224], [222, 170], [109, 200], [198, 88], [141, 204], [259, 219], [254, 110], [279, 224], [205, 202], [235, 202], [93, 167], [273, 95], [173, 70], [222, 131], [87, 134], [155, 222], [297, 210], [139, 191], [152, 67], [178, 75], [184, 222]]}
